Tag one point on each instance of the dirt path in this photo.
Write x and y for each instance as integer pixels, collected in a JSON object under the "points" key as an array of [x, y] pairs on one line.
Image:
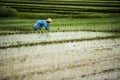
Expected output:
{"points": [[86, 60]]}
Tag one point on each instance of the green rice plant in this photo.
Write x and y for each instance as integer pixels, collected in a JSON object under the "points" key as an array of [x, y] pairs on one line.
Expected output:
{"points": [[63, 9], [23, 26]]}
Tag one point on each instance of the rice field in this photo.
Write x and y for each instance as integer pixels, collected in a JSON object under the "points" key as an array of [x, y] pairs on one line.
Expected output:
{"points": [[45, 38], [25, 25], [87, 60], [64, 9], [83, 42]]}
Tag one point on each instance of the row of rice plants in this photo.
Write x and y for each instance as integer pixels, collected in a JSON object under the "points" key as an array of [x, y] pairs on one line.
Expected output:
{"points": [[55, 15], [25, 25], [62, 20], [89, 3], [50, 6], [63, 9], [35, 8], [111, 24], [28, 7]]}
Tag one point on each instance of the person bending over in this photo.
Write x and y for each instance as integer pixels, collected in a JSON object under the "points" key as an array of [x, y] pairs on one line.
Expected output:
{"points": [[40, 23]]}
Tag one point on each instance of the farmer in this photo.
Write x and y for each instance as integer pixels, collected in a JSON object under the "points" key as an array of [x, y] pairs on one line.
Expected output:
{"points": [[40, 23]]}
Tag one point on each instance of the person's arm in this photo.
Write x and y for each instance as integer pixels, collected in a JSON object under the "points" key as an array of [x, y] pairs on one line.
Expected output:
{"points": [[47, 27]]}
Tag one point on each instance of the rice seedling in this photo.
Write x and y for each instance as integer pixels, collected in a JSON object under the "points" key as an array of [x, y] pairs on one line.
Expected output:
{"points": [[103, 25]]}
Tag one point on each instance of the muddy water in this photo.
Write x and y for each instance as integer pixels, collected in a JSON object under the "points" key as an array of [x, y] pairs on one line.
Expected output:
{"points": [[87, 60], [44, 37]]}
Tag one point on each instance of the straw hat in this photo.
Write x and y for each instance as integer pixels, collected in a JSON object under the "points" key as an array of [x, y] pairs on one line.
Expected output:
{"points": [[49, 20]]}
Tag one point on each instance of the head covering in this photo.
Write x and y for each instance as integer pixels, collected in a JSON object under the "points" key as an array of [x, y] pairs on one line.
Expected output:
{"points": [[49, 20]]}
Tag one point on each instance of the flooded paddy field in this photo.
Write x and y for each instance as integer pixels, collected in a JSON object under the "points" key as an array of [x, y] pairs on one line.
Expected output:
{"points": [[83, 42], [86, 60], [21, 39]]}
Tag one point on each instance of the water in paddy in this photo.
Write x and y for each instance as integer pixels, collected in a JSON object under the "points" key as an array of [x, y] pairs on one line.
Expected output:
{"points": [[46, 37]]}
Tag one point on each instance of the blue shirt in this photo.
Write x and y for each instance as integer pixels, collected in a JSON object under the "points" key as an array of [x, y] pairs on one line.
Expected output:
{"points": [[40, 23]]}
